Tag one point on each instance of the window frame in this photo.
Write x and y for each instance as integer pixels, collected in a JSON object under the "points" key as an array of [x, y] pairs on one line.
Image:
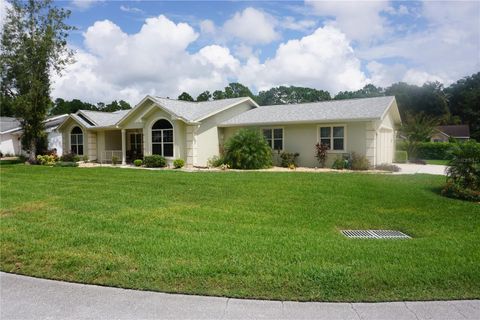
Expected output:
{"points": [[273, 139], [162, 143], [77, 144], [331, 126]]}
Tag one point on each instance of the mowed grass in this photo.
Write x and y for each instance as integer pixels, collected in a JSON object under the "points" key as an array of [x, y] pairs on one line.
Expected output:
{"points": [[438, 162], [240, 234]]}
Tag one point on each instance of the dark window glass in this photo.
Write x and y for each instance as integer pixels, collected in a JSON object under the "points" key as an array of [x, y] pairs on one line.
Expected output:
{"points": [[73, 139], [325, 142], [74, 149], [278, 133], [267, 133], [77, 130], [338, 132], [167, 135], [338, 144], [80, 150], [162, 124], [157, 149], [277, 144], [156, 136], [325, 132], [80, 139], [168, 150]]}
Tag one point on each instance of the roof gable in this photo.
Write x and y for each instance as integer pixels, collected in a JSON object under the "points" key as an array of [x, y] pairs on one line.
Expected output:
{"points": [[455, 131]]}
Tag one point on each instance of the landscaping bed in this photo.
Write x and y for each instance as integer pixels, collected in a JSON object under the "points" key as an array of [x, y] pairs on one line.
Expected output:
{"points": [[240, 234]]}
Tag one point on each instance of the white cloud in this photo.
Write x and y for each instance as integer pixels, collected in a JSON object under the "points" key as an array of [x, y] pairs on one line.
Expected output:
{"points": [[298, 25], [359, 20], [131, 9], [4, 6], [323, 59], [207, 26], [117, 65], [85, 4], [420, 77], [252, 26]]}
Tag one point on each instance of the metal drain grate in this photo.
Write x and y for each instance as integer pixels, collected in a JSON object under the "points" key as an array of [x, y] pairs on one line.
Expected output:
{"points": [[374, 234]]}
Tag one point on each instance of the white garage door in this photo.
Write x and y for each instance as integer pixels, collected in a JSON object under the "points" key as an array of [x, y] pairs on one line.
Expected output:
{"points": [[385, 146]]}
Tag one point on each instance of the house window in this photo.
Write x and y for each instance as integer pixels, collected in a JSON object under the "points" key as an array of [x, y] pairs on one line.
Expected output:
{"points": [[136, 142], [274, 137], [162, 138], [333, 137], [76, 141]]}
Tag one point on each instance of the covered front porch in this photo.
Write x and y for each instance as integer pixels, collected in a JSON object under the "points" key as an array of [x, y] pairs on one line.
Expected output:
{"points": [[125, 145]]}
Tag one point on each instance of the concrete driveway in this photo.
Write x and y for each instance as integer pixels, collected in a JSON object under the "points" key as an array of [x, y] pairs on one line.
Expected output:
{"points": [[410, 168], [31, 298]]}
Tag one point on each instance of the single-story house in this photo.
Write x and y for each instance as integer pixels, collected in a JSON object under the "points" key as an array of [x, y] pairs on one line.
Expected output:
{"points": [[197, 131], [444, 133], [11, 132]]}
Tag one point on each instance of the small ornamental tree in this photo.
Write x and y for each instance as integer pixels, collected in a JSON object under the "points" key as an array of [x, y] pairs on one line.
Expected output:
{"points": [[321, 153], [248, 149]]}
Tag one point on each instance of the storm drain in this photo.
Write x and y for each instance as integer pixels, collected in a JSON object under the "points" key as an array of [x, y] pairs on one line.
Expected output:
{"points": [[375, 234]]}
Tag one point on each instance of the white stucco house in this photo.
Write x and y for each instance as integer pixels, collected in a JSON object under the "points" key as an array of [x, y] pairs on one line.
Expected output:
{"points": [[197, 131], [11, 132]]}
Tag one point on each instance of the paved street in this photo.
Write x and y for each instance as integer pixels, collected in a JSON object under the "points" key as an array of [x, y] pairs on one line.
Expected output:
{"points": [[30, 298]]}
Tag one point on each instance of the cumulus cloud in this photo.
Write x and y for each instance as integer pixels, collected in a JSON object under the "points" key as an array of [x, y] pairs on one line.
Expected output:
{"points": [[116, 65], [323, 59], [298, 25], [359, 20], [85, 4], [131, 9], [252, 26]]}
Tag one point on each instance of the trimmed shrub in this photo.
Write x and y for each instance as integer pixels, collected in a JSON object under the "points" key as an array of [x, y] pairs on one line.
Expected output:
{"points": [[430, 150], [66, 164], [289, 159], [138, 162], [46, 160], [359, 162], [216, 161], [70, 157], [114, 160], [248, 149], [85, 158], [340, 164], [154, 161], [178, 163], [454, 190], [401, 156]]}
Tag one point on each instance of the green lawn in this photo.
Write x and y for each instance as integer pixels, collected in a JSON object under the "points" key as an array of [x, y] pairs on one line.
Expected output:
{"points": [[441, 162], [240, 234]]}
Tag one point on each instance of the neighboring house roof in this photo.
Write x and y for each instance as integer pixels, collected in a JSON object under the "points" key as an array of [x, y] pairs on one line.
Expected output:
{"points": [[455, 131], [333, 110], [101, 119], [10, 125]]}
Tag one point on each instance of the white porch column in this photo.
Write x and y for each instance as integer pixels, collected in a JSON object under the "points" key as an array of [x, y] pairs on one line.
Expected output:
{"points": [[124, 147]]}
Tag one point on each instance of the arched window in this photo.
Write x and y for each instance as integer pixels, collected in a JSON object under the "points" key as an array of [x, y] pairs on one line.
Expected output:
{"points": [[76, 141], [162, 138]]}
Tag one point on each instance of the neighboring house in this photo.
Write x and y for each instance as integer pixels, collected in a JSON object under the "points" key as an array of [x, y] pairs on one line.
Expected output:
{"points": [[197, 131], [444, 133], [11, 132]]}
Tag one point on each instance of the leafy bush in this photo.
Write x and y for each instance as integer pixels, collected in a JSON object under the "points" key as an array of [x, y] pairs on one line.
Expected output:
{"points": [[321, 153], [289, 159], [178, 163], [114, 160], [340, 164], [417, 161], [85, 158], [401, 156], [216, 161], [138, 162], [70, 157], [155, 161], [248, 149], [359, 162], [46, 160], [454, 190], [388, 167], [66, 164], [464, 168]]}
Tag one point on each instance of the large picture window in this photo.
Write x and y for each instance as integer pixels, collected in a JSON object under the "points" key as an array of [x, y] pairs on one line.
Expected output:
{"points": [[162, 138], [333, 137], [274, 137], [76, 141], [136, 142]]}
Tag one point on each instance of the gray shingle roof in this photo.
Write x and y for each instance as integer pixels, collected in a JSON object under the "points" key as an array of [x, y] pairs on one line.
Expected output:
{"points": [[195, 111], [352, 109], [460, 131], [8, 123], [102, 119]]}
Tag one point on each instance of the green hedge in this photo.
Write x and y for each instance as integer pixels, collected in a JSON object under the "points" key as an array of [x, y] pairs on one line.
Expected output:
{"points": [[401, 156], [154, 161], [431, 150]]}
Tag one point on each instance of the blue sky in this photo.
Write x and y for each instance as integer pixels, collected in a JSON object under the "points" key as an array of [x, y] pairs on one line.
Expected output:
{"points": [[127, 49]]}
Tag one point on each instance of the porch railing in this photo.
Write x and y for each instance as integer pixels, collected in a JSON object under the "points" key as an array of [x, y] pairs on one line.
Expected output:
{"points": [[107, 156]]}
